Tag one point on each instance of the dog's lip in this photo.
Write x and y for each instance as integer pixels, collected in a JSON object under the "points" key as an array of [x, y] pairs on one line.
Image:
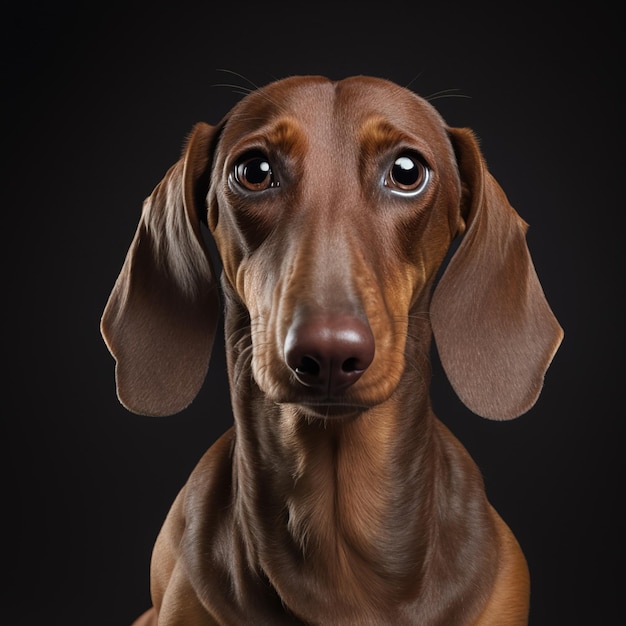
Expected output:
{"points": [[331, 410]]}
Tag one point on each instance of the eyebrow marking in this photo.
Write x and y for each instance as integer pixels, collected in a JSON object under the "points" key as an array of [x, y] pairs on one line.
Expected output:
{"points": [[283, 136], [377, 135], [287, 136]]}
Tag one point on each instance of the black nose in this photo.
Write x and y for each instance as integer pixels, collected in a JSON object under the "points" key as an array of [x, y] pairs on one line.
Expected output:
{"points": [[329, 352]]}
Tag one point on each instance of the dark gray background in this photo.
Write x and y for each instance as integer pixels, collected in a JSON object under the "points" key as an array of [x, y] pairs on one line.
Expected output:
{"points": [[98, 101]]}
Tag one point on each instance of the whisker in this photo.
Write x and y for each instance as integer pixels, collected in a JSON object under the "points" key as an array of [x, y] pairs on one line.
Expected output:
{"points": [[446, 93], [408, 85], [242, 91], [253, 85]]}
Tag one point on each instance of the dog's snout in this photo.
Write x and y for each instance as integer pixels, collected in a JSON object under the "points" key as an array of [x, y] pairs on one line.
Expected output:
{"points": [[329, 353]]}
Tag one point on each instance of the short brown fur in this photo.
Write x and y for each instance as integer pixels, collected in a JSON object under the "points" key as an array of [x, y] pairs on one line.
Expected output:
{"points": [[337, 497]]}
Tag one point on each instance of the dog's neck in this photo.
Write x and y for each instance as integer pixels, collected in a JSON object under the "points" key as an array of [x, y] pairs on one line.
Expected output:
{"points": [[370, 536], [297, 488]]}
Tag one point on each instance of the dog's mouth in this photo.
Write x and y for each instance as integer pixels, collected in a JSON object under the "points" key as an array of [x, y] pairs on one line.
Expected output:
{"points": [[329, 410]]}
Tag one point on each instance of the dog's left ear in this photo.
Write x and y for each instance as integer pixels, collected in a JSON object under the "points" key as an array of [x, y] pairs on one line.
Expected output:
{"points": [[160, 320], [495, 332]]}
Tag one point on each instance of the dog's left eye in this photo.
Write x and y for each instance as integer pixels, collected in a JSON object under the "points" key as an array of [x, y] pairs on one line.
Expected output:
{"points": [[407, 176], [254, 172]]}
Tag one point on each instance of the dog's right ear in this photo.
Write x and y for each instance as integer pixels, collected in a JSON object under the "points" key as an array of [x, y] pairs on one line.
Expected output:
{"points": [[160, 320]]}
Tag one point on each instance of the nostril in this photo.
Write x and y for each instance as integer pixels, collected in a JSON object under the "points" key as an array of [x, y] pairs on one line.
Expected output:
{"points": [[308, 366], [351, 365]]}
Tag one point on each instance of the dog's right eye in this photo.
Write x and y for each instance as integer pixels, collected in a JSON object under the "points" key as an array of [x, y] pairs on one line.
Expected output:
{"points": [[254, 172]]}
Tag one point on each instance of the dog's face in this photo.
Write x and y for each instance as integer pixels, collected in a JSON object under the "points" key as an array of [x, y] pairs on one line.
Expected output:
{"points": [[332, 205], [333, 199]]}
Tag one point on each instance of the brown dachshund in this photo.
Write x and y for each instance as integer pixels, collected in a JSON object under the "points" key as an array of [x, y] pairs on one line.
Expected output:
{"points": [[337, 498]]}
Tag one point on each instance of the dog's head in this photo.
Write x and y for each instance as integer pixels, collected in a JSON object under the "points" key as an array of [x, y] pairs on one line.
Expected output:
{"points": [[332, 206]]}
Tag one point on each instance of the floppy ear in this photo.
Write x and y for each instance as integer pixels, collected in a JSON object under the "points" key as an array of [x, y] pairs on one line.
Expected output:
{"points": [[493, 327], [159, 322]]}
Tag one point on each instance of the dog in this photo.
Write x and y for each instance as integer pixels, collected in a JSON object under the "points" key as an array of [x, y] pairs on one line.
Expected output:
{"points": [[337, 497]]}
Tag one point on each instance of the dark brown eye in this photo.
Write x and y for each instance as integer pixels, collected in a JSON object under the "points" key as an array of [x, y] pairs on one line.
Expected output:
{"points": [[254, 172], [407, 175]]}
